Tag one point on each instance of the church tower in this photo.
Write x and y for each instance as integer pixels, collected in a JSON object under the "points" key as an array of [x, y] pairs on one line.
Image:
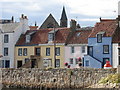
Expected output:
{"points": [[63, 20]]}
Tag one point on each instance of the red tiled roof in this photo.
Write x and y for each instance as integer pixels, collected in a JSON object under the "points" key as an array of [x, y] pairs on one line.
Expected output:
{"points": [[33, 27], [108, 26], [79, 37], [116, 36], [41, 36]]}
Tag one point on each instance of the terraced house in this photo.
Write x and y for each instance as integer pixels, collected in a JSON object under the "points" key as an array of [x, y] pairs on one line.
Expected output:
{"points": [[76, 46], [10, 32], [41, 48], [101, 44]]}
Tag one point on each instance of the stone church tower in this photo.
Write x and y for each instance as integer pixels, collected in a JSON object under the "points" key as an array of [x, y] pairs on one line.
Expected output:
{"points": [[63, 20]]}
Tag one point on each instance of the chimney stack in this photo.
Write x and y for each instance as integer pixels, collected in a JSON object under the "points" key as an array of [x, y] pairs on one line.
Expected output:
{"points": [[12, 18], [22, 16], [73, 25]]}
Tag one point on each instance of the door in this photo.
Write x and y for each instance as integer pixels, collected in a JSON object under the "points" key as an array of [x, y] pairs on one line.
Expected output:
{"points": [[19, 64], [119, 61], [119, 56], [7, 63], [57, 63], [33, 63], [90, 50], [104, 61]]}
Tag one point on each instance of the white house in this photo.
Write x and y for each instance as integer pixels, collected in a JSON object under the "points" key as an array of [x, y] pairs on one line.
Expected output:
{"points": [[9, 34], [116, 43]]}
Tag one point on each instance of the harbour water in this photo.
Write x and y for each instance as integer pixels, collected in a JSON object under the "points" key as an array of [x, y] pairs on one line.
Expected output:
{"points": [[39, 89]]}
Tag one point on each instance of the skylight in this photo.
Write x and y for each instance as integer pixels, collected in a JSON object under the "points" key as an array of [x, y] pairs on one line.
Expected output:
{"points": [[78, 34]]}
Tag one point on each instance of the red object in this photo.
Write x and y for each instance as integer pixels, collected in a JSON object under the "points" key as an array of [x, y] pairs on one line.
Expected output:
{"points": [[79, 58], [66, 64], [107, 64]]}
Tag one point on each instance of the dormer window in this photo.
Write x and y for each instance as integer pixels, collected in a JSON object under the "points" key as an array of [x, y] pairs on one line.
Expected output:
{"points": [[50, 36], [27, 38], [99, 36]]}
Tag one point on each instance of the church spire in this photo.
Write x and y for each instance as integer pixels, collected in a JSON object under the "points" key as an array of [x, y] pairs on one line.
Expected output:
{"points": [[63, 20]]}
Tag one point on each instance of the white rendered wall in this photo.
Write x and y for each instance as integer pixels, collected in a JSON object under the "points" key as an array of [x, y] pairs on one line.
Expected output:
{"points": [[119, 8], [78, 53], [115, 56]]}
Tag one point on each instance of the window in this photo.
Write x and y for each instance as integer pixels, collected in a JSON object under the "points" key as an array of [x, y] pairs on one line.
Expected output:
{"points": [[50, 36], [106, 49], [27, 38], [90, 50], [71, 60], [20, 52], [72, 50], [26, 60], [99, 38], [5, 51], [25, 51], [76, 60], [37, 51], [6, 38], [57, 51], [2, 64], [47, 51], [83, 49], [87, 63], [5, 64], [57, 63]]}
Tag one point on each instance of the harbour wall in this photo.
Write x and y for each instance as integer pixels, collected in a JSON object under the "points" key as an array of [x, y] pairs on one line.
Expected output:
{"points": [[53, 78]]}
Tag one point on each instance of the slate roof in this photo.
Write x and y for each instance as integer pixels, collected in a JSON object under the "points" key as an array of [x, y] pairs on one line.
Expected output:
{"points": [[49, 20], [41, 36], [79, 37], [106, 25], [9, 27]]}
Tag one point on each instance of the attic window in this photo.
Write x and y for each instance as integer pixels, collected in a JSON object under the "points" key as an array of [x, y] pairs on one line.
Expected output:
{"points": [[50, 36], [27, 38], [99, 36], [78, 34]]}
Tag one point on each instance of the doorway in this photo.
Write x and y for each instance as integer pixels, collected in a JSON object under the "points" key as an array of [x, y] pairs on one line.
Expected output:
{"points": [[19, 64]]}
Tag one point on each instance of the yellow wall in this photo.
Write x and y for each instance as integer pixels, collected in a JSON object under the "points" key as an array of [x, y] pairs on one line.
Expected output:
{"points": [[61, 57], [30, 51]]}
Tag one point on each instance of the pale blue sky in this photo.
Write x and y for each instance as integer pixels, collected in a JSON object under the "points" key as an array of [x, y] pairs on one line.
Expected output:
{"points": [[86, 12]]}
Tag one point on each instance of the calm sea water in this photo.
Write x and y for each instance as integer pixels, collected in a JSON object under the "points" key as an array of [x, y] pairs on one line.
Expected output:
{"points": [[63, 89]]}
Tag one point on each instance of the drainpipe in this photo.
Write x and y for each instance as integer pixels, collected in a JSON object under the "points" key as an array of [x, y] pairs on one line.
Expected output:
{"points": [[54, 46]]}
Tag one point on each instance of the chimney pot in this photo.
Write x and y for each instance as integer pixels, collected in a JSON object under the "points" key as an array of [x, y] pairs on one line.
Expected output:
{"points": [[22, 16]]}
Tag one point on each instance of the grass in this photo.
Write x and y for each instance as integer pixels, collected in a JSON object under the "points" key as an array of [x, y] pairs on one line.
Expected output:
{"points": [[112, 78]]}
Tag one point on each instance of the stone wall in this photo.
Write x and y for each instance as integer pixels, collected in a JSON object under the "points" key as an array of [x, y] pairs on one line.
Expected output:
{"points": [[53, 78]]}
